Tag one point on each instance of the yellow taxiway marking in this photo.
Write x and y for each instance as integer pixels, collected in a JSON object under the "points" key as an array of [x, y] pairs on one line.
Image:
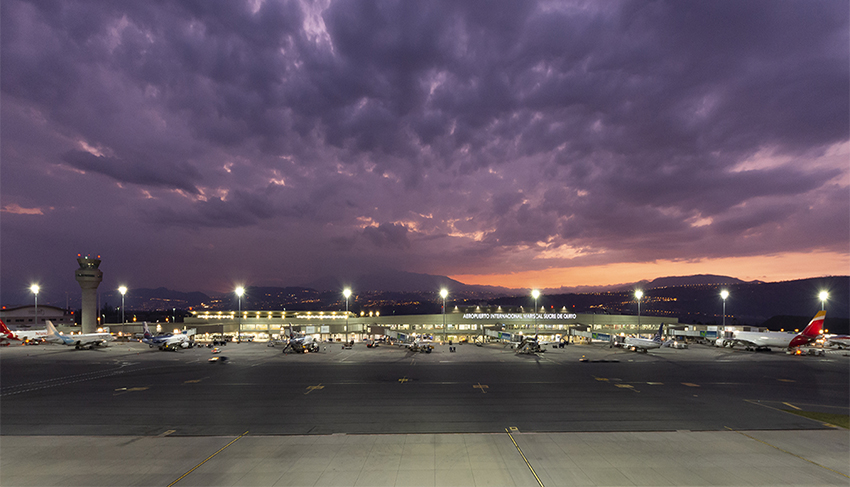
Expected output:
{"points": [[479, 386], [168, 432], [786, 380], [792, 406], [208, 458], [523, 455], [624, 386], [655, 383], [788, 452], [404, 379], [192, 381], [690, 384], [313, 388]]}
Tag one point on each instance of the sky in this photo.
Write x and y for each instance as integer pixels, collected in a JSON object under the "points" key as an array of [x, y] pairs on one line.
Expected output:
{"points": [[198, 145]]}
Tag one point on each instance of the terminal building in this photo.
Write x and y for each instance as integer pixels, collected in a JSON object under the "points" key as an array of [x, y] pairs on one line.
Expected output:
{"points": [[457, 324]]}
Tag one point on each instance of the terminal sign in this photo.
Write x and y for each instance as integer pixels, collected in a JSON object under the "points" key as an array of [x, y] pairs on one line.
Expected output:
{"points": [[519, 316]]}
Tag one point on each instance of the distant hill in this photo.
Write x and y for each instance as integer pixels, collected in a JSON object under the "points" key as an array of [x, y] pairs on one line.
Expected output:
{"points": [[691, 299], [153, 299], [748, 302], [696, 280], [391, 281]]}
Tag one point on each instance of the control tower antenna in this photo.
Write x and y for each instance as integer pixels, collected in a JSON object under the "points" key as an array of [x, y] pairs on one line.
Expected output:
{"points": [[89, 277]]}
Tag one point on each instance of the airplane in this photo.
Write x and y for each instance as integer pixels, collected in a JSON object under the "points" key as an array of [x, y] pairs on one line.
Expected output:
{"points": [[422, 345], [301, 343], [7, 335], [85, 340], [644, 344], [528, 345], [166, 342], [840, 341], [764, 340]]}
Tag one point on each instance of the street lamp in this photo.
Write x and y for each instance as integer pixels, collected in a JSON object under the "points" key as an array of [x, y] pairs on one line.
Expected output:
{"points": [[347, 293], [724, 294], [444, 294], [535, 294], [823, 297], [34, 288], [638, 295], [239, 292], [123, 291]]}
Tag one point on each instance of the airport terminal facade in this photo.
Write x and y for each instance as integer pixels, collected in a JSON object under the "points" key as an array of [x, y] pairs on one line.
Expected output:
{"points": [[457, 324]]}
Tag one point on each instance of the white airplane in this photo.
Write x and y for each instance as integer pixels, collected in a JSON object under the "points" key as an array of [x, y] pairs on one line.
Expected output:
{"points": [[840, 341], [422, 345], [7, 335], [762, 340], [85, 340], [644, 344], [528, 345], [301, 343], [166, 342]]}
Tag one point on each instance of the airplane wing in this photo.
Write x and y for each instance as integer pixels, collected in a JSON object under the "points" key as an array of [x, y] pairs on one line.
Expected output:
{"points": [[742, 341]]}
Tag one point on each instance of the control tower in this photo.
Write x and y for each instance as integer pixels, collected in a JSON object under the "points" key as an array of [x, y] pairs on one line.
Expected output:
{"points": [[89, 277]]}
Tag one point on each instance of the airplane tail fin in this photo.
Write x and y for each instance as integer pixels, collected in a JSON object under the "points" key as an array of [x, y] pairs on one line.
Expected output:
{"points": [[810, 332], [147, 330], [6, 331], [657, 337], [815, 327], [51, 330]]}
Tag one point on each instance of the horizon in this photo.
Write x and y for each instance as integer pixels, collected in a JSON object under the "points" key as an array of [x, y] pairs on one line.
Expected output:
{"points": [[526, 145], [578, 289]]}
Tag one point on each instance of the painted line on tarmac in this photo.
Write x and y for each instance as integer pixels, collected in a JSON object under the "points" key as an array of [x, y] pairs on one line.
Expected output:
{"points": [[208, 458], [508, 431], [788, 452]]}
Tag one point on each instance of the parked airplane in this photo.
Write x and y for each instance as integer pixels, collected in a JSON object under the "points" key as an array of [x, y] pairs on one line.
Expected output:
{"points": [[528, 345], [7, 335], [422, 345], [763, 340], [300, 343], [840, 341], [85, 340], [644, 344], [166, 342]]}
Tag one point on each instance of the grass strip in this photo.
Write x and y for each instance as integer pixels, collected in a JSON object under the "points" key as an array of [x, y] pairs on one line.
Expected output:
{"points": [[841, 420]]}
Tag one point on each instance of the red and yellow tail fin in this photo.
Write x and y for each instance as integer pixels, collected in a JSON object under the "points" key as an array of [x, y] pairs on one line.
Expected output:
{"points": [[815, 327]]}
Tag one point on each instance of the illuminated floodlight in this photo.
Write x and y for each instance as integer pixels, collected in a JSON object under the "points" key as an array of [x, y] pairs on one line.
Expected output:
{"points": [[638, 295], [823, 295], [444, 293], [123, 291]]}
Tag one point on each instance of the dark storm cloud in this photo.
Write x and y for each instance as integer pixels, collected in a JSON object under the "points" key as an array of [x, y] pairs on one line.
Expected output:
{"points": [[387, 235], [440, 136], [177, 176]]}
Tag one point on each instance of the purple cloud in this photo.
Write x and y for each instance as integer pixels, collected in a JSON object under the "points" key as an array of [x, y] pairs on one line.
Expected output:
{"points": [[440, 137]]}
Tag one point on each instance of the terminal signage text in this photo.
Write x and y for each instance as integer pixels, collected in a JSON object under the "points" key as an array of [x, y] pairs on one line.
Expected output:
{"points": [[519, 316]]}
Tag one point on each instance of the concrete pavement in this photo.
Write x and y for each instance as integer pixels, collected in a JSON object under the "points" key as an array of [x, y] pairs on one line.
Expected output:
{"points": [[716, 458]]}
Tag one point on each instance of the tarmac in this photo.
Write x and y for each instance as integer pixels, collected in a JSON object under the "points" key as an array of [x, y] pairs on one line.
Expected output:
{"points": [[708, 458], [129, 415]]}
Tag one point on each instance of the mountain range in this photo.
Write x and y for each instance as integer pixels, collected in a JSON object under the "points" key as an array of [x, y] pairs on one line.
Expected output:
{"points": [[692, 299]]}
